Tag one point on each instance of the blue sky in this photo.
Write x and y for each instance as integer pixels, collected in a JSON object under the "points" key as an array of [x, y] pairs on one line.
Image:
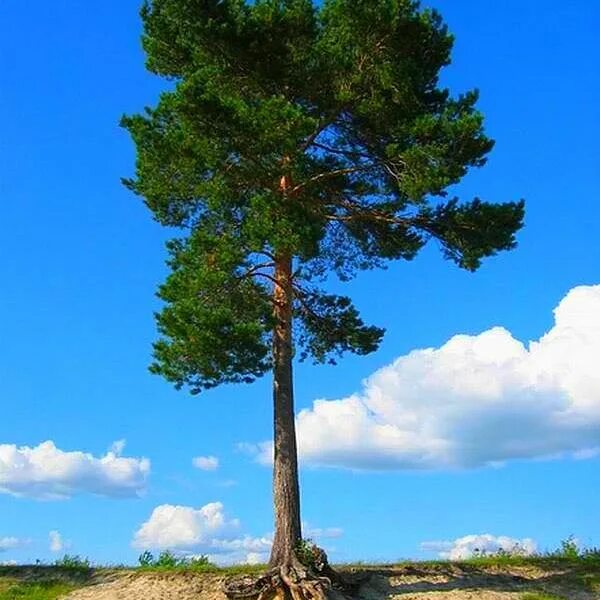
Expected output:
{"points": [[80, 259]]}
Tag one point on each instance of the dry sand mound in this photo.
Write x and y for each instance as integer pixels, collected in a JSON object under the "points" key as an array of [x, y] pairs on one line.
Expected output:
{"points": [[403, 583], [155, 586]]}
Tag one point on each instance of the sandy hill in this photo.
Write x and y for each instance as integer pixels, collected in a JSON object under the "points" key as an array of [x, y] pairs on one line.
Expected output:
{"points": [[403, 582]]}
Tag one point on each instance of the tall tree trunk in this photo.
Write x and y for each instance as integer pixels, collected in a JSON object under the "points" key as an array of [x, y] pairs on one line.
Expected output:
{"points": [[286, 489]]}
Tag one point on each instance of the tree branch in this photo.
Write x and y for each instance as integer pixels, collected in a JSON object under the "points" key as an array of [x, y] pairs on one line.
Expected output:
{"points": [[328, 174], [254, 270], [359, 211], [299, 295]]}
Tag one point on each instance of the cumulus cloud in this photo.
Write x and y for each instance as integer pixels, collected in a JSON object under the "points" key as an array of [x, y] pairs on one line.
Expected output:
{"points": [[206, 463], [207, 530], [46, 472], [243, 550], [475, 401], [185, 528], [10, 543], [480, 545], [57, 544], [256, 558]]}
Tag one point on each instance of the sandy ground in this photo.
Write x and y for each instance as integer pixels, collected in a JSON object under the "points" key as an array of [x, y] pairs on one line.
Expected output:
{"points": [[155, 586], [407, 583]]}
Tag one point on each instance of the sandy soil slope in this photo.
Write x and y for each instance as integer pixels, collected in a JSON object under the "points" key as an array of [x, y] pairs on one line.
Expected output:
{"points": [[443, 582], [155, 586]]}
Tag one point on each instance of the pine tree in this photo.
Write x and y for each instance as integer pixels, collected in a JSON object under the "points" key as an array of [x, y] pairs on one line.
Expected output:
{"points": [[295, 141]]}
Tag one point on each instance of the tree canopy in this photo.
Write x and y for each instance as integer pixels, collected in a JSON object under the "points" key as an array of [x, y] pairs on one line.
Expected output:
{"points": [[317, 131]]}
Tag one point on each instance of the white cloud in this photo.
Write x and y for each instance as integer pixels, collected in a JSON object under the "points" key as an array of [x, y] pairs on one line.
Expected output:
{"points": [[207, 530], [184, 528], [57, 544], [118, 447], [483, 544], [256, 558], [242, 550], [10, 543], [46, 472], [206, 463], [475, 401], [243, 544]]}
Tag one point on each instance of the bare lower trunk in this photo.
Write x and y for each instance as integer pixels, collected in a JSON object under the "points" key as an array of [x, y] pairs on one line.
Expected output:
{"points": [[286, 492]]}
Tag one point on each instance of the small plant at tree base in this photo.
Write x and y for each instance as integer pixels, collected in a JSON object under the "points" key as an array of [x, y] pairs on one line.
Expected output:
{"points": [[311, 556]]}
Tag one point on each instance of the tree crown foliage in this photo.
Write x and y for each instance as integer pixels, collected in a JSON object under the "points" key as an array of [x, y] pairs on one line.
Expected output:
{"points": [[343, 101]]}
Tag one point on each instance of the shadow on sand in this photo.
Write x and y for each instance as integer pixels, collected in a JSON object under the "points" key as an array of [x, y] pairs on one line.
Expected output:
{"points": [[414, 579]]}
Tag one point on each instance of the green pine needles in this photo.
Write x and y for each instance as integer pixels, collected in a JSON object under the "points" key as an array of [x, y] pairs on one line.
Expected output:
{"points": [[315, 132]]}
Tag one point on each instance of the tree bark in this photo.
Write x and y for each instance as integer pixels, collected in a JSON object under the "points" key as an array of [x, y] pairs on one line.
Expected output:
{"points": [[286, 489]]}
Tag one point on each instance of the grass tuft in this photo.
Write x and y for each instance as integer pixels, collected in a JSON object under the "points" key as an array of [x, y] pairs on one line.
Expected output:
{"points": [[73, 564], [168, 561], [45, 590]]}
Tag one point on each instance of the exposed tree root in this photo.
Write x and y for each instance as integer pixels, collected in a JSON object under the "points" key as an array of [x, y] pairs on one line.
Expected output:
{"points": [[293, 581]]}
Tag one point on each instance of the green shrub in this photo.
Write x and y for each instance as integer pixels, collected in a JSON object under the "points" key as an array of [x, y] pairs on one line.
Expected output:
{"points": [[591, 553], [569, 549], [199, 561], [49, 590], [311, 556], [169, 560], [73, 563], [146, 559]]}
